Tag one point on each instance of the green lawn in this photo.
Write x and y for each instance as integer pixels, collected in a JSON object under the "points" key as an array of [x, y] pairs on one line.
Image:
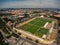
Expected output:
{"points": [[35, 26]]}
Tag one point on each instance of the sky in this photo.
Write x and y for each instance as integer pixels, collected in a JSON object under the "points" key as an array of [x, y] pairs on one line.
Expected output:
{"points": [[29, 3]]}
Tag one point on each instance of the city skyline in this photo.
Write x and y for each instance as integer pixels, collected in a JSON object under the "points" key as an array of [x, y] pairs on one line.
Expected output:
{"points": [[29, 3]]}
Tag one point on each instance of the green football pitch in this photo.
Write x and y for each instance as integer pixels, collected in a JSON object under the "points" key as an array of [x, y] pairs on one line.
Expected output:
{"points": [[35, 26]]}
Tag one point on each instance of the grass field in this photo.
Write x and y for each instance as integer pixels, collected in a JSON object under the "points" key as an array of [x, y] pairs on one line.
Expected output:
{"points": [[36, 26]]}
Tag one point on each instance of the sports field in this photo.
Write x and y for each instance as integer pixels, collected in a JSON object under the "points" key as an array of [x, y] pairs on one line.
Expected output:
{"points": [[35, 26]]}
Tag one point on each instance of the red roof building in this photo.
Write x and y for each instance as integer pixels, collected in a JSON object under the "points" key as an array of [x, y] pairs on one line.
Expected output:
{"points": [[57, 15]]}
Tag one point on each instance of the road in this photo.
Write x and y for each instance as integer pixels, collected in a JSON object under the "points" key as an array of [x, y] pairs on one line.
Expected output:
{"points": [[23, 41], [58, 38]]}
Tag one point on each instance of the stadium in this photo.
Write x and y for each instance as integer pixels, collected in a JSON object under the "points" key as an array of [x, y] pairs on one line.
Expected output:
{"points": [[36, 29], [36, 26]]}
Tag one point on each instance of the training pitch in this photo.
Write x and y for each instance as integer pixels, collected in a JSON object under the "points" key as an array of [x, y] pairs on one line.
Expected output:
{"points": [[36, 26]]}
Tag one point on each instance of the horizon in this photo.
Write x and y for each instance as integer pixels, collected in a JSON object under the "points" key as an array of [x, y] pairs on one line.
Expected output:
{"points": [[29, 8]]}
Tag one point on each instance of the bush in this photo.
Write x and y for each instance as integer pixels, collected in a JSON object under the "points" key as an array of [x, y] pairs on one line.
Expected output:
{"points": [[19, 33], [15, 35], [36, 41]]}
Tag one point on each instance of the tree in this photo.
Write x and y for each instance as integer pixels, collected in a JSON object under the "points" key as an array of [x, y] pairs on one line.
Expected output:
{"points": [[36, 41], [26, 15]]}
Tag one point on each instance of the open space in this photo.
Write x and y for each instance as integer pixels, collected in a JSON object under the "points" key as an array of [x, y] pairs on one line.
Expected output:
{"points": [[36, 26]]}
